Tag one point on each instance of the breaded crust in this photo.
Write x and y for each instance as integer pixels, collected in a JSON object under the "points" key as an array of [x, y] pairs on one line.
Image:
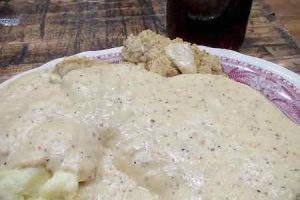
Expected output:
{"points": [[148, 48], [75, 62]]}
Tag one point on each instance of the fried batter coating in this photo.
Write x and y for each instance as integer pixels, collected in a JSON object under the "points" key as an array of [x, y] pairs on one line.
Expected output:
{"points": [[206, 63], [158, 54], [75, 62]]}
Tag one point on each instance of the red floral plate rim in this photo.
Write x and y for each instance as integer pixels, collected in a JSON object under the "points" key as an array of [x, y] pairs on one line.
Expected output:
{"points": [[279, 85]]}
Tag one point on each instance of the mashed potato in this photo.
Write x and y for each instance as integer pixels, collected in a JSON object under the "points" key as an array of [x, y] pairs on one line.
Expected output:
{"points": [[17, 183]]}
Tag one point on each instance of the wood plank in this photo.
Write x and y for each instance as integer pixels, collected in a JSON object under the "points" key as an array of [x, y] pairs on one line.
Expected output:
{"points": [[52, 29], [288, 13]]}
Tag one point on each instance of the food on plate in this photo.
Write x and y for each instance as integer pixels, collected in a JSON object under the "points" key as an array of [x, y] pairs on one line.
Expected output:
{"points": [[168, 57], [89, 130], [17, 183]]}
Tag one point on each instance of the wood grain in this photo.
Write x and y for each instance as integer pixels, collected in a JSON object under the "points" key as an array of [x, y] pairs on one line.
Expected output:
{"points": [[288, 13], [56, 28]]}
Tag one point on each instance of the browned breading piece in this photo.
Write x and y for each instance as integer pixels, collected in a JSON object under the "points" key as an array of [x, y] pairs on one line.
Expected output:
{"points": [[201, 68], [149, 49], [163, 66], [75, 62], [144, 47], [207, 62]]}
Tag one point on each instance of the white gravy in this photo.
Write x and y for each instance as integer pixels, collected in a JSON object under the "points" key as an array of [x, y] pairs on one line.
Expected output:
{"points": [[132, 134]]}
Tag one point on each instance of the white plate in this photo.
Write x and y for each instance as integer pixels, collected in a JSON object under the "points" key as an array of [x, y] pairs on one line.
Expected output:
{"points": [[279, 85]]}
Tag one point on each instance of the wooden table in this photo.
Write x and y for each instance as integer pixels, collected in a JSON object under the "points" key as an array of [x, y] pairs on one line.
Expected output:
{"points": [[288, 13], [51, 29]]}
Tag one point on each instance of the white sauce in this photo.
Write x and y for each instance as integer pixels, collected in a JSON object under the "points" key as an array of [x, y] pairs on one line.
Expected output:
{"points": [[141, 136]]}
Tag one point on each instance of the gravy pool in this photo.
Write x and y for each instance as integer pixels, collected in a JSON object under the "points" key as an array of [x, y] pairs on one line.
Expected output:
{"points": [[126, 133]]}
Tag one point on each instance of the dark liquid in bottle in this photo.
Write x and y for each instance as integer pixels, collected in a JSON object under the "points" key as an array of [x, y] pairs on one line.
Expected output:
{"points": [[216, 23]]}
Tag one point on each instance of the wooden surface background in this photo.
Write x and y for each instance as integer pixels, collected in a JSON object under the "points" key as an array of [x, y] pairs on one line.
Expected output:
{"points": [[288, 13], [49, 29]]}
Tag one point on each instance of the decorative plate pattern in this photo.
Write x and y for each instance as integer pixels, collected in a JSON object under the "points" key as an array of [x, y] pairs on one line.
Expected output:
{"points": [[280, 91], [277, 89]]}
